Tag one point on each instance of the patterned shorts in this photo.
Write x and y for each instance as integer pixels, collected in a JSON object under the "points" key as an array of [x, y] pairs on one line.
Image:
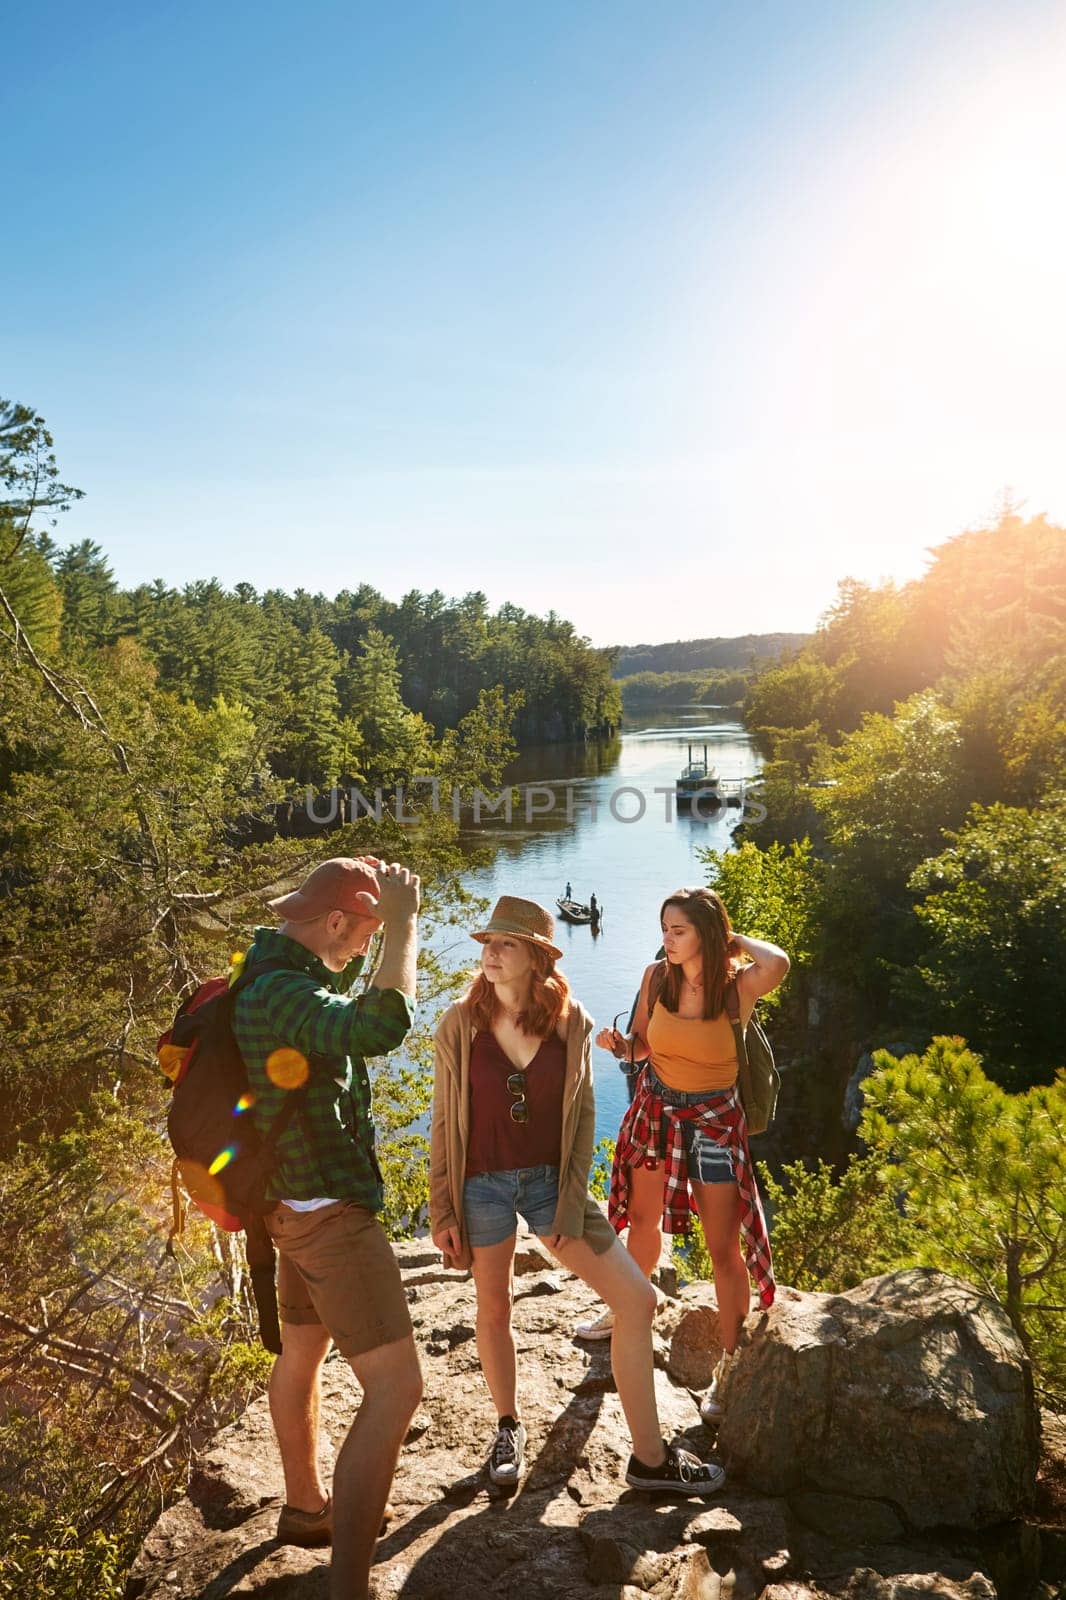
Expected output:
{"points": [[708, 1161]]}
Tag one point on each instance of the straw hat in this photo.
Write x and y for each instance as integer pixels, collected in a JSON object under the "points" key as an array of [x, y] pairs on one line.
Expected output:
{"points": [[521, 919]]}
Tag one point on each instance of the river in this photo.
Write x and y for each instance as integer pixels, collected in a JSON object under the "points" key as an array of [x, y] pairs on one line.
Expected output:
{"points": [[631, 865]]}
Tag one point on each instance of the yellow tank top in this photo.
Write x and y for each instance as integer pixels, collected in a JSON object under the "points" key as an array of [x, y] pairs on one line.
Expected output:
{"points": [[692, 1054]]}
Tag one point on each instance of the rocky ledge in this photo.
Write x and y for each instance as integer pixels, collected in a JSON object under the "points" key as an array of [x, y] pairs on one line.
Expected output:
{"points": [[881, 1445]]}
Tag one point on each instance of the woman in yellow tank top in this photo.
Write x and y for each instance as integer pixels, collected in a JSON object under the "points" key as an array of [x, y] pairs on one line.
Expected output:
{"points": [[681, 1028]]}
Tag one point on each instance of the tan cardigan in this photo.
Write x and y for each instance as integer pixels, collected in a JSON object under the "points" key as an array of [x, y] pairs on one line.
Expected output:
{"points": [[577, 1215]]}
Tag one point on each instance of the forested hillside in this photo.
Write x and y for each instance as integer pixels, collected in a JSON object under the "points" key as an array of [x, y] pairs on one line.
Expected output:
{"points": [[701, 655], [913, 861], [323, 677]]}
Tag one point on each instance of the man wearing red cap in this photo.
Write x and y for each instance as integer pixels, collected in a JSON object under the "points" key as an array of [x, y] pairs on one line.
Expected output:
{"points": [[301, 1028]]}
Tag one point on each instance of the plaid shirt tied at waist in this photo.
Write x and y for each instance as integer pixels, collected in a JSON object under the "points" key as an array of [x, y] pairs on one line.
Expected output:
{"points": [[651, 1132]]}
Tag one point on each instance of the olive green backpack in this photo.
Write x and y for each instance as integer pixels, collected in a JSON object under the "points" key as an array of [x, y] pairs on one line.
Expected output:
{"points": [[758, 1078]]}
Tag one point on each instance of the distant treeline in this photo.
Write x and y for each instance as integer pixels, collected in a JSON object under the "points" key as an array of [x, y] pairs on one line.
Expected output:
{"points": [[644, 691], [697, 656], [326, 659]]}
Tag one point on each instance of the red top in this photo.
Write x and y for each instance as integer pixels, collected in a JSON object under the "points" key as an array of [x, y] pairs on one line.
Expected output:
{"points": [[497, 1142]]}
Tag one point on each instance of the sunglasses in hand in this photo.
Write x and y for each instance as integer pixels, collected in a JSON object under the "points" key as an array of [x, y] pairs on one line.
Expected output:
{"points": [[616, 1029]]}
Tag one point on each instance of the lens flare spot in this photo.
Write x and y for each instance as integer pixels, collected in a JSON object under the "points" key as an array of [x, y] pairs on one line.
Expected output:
{"points": [[287, 1068], [200, 1185], [222, 1160], [245, 1103]]}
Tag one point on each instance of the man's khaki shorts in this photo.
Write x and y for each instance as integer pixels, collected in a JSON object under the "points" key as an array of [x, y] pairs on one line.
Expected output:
{"points": [[336, 1269]]}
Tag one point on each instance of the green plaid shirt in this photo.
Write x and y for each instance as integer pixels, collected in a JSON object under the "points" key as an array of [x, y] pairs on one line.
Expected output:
{"points": [[328, 1147]]}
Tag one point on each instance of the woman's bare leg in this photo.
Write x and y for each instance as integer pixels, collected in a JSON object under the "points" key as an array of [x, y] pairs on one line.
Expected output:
{"points": [[718, 1206], [495, 1339], [645, 1239], [619, 1281]]}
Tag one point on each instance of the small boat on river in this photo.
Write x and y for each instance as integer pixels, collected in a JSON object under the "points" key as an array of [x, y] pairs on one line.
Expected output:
{"points": [[697, 783], [574, 911]]}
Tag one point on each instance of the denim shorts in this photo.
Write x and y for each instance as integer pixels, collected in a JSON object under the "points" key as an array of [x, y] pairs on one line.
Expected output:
{"points": [[708, 1162], [492, 1202]]}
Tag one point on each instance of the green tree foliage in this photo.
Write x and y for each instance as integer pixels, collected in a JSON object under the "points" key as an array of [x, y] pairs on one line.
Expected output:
{"points": [[389, 742], [898, 783], [30, 486], [476, 753], [645, 691], [957, 1174], [829, 1231], [995, 598], [31, 589], [796, 694], [772, 893], [88, 589], [982, 1176], [698, 656], [992, 602], [976, 645], [306, 745], [994, 907], [875, 654]]}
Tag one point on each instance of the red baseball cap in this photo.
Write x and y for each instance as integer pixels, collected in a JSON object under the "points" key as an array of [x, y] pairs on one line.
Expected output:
{"points": [[333, 886]]}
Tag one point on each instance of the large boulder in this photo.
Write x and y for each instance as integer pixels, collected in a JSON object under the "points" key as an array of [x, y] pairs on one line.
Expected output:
{"points": [[911, 1390]]}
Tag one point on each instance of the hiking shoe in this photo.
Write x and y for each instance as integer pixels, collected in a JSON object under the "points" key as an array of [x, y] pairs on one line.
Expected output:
{"points": [[311, 1528], [600, 1327], [507, 1453], [681, 1473], [306, 1528], [711, 1407]]}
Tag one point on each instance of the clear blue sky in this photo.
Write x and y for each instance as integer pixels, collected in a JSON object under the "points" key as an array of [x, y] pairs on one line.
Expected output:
{"points": [[666, 317]]}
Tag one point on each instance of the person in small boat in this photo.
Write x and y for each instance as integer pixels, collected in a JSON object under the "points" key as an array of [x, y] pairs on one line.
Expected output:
{"points": [[595, 908], [683, 1141], [569, 892], [512, 1132]]}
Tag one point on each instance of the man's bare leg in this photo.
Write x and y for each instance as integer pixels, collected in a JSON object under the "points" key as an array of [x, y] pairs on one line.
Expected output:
{"points": [[391, 1380], [294, 1403]]}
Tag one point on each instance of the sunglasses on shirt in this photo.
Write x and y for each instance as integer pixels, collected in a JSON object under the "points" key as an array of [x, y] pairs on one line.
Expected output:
{"points": [[516, 1085]]}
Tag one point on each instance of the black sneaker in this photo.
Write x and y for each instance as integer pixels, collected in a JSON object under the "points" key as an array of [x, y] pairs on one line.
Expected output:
{"points": [[681, 1473], [508, 1453]]}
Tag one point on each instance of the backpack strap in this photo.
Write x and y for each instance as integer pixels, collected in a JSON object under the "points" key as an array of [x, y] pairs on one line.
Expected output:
{"points": [[732, 1006], [656, 984], [296, 1099], [261, 1264], [294, 1102], [258, 969]]}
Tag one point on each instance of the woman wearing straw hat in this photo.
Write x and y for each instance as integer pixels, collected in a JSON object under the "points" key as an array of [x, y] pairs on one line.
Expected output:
{"points": [[513, 1120]]}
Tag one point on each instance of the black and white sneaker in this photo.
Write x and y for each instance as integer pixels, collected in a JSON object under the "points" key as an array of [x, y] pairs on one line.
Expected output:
{"points": [[508, 1453], [681, 1473]]}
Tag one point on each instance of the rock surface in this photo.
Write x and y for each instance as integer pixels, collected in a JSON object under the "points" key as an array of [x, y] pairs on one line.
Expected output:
{"points": [[851, 1114], [910, 1392], [573, 1529]]}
